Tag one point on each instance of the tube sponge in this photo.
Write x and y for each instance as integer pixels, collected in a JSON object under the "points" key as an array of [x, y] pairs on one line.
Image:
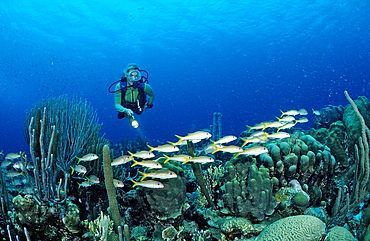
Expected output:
{"points": [[108, 176]]}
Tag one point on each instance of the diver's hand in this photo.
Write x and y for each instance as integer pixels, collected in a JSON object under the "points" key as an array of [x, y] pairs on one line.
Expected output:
{"points": [[128, 112]]}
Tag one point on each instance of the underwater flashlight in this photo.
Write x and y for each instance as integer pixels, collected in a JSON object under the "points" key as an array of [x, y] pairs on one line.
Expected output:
{"points": [[134, 122]]}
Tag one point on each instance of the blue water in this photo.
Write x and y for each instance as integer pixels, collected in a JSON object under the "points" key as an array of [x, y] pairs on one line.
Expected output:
{"points": [[245, 59]]}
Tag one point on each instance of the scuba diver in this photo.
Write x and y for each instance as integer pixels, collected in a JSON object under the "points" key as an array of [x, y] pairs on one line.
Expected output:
{"points": [[130, 94]]}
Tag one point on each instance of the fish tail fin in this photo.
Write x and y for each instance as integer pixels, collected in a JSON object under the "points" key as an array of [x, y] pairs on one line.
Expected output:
{"points": [[186, 161], [135, 183], [180, 138], [131, 154], [245, 141], [150, 147], [78, 160], [135, 163], [73, 170], [167, 158], [172, 143], [278, 118], [144, 175], [282, 113], [249, 128]]}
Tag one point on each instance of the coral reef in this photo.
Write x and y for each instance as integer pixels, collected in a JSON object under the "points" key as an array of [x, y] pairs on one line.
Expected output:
{"points": [[306, 227], [339, 234], [352, 122], [166, 203], [248, 190], [305, 183], [328, 115]]}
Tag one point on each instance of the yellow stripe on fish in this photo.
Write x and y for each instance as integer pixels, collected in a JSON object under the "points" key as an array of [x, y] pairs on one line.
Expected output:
{"points": [[198, 135], [164, 148], [179, 158], [148, 184], [161, 174], [252, 151], [229, 149], [148, 163]]}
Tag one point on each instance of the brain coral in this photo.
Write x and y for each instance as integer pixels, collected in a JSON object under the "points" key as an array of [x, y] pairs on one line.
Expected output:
{"points": [[294, 228], [339, 234]]}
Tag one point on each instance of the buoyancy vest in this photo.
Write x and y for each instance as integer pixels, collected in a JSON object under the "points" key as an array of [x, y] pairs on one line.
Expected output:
{"points": [[136, 106]]}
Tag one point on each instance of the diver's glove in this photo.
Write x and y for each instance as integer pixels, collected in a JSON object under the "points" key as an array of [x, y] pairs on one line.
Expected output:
{"points": [[127, 112]]}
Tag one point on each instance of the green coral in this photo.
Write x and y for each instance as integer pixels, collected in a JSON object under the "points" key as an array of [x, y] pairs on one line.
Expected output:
{"points": [[301, 200], [336, 140], [249, 193]]}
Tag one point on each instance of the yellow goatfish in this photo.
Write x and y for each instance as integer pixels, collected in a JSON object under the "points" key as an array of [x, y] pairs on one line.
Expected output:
{"points": [[93, 179], [200, 159], [255, 127], [253, 151], [302, 120], [87, 158], [12, 156], [164, 148], [148, 184], [286, 126], [229, 149], [225, 139], [253, 140], [287, 118], [79, 169], [198, 135], [142, 154], [184, 142], [316, 112], [289, 112], [278, 135], [179, 158], [118, 183], [122, 160], [274, 124], [148, 163], [161, 174]]}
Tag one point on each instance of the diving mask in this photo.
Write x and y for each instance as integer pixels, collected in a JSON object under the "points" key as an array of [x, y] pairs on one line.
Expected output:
{"points": [[133, 75]]}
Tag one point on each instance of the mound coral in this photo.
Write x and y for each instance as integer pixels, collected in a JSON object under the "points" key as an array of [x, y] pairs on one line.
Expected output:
{"points": [[301, 227]]}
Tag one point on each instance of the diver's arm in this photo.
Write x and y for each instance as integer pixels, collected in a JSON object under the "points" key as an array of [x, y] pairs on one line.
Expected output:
{"points": [[117, 99], [149, 91]]}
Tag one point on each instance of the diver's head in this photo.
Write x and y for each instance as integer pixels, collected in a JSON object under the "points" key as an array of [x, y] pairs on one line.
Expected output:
{"points": [[132, 73]]}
